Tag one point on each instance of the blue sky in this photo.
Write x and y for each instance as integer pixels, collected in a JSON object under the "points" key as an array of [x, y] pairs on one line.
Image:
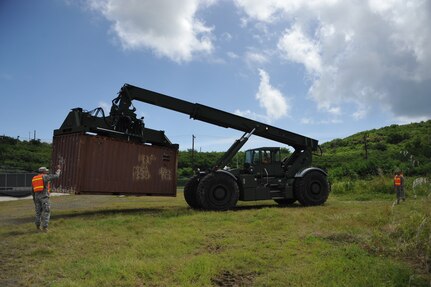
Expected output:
{"points": [[326, 69]]}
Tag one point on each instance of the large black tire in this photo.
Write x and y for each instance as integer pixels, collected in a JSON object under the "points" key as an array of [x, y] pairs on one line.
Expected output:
{"points": [[218, 191], [285, 201], [312, 189], [191, 194]]}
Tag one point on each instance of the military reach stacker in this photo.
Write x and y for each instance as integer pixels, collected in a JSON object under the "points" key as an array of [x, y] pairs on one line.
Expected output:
{"points": [[265, 175]]}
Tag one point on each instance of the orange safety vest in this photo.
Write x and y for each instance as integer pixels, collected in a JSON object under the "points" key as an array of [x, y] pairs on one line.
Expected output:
{"points": [[37, 183], [397, 180]]}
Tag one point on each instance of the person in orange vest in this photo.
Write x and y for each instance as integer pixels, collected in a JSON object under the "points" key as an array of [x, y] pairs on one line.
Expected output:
{"points": [[399, 186], [41, 187]]}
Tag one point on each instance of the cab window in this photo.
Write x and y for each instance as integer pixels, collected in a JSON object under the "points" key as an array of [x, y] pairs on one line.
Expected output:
{"points": [[263, 156]]}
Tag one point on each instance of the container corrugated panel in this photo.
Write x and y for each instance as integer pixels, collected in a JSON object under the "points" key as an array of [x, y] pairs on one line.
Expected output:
{"points": [[102, 165]]}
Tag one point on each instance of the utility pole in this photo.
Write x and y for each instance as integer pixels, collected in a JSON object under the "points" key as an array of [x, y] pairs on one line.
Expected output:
{"points": [[193, 153]]}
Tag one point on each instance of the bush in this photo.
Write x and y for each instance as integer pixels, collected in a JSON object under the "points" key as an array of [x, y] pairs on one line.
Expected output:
{"points": [[185, 172], [341, 172], [420, 187], [343, 187], [8, 140], [365, 168], [380, 146], [377, 185], [397, 137], [181, 182]]}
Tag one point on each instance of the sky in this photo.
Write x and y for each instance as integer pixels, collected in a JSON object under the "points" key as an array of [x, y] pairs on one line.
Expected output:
{"points": [[324, 69]]}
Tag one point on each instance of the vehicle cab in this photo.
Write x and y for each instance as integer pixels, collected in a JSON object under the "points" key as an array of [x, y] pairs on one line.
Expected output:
{"points": [[264, 161]]}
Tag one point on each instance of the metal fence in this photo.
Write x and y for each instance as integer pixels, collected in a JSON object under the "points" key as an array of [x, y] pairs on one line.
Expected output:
{"points": [[15, 184]]}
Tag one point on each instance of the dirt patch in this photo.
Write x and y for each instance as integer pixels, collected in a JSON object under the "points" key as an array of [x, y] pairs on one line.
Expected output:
{"points": [[214, 248], [231, 279], [342, 238], [214, 244]]}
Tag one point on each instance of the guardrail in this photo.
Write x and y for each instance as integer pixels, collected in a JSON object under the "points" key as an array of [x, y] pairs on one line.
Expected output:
{"points": [[15, 184]]}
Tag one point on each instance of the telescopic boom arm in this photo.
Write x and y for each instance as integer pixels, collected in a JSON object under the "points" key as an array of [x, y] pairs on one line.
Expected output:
{"points": [[214, 116]]}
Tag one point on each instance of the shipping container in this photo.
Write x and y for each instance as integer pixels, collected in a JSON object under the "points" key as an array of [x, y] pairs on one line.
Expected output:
{"points": [[94, 164]]}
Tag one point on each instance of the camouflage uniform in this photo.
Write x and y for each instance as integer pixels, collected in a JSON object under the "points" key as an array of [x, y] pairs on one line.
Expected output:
{"points": [[399, 188], [41, 201]]}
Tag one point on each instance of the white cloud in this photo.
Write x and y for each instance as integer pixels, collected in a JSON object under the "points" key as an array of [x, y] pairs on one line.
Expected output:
{"points": [[260, 10], [105, 106], [271, 99], [272, 10], [232, 55], [311, 121], [295, 46], [307, 121], [168, 28], [252, 115], [226, 37], [255, 58], [373, 54], [408, 120], [360, 113]]}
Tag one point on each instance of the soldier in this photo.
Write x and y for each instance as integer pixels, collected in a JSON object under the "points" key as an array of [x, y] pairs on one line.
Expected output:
{"points": [[41, 187], [399, 186]]}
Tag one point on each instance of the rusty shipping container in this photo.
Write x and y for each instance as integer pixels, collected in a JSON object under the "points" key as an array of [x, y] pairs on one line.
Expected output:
{"points": [[102, 165]]}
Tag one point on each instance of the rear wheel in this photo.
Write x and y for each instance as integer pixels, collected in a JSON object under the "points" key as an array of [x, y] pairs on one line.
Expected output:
{"points": [[312, 189], [218, 191], [190, 193], [285, 201]]}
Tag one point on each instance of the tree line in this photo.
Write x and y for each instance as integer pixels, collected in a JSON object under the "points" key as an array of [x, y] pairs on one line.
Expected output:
{"points": [[382, 151], [365, 154]]}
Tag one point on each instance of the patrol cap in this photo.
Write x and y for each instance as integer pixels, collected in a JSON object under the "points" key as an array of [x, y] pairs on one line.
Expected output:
{"points": [[43, 169]]}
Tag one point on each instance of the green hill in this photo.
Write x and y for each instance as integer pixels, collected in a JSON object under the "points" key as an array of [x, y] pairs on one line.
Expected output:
{"points": [[379, 151], [17, 156]]}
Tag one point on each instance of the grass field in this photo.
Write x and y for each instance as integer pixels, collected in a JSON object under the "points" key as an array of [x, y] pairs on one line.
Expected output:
{"points": [[153, 241]]}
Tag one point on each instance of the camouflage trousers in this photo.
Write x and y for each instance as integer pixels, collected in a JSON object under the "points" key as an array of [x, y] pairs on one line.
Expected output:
{"points": [[399, 190], [43, 209]]}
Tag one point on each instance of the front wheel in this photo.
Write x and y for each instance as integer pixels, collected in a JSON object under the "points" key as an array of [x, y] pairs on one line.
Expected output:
{"points": [[190, 193], [218, 191], [312, 189]]}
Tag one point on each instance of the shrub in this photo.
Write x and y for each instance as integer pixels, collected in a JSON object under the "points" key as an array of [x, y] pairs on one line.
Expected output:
{"points": [[380, 146], [377, 185], [420, 187], [185, 172], [397, 137], [343, 187]]}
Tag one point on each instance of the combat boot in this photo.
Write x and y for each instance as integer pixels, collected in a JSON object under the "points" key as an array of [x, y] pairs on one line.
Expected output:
{"points": [[45, 229]]}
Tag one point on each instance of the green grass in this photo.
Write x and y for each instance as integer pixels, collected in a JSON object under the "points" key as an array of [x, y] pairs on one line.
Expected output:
{"points": [[153, 241]]}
